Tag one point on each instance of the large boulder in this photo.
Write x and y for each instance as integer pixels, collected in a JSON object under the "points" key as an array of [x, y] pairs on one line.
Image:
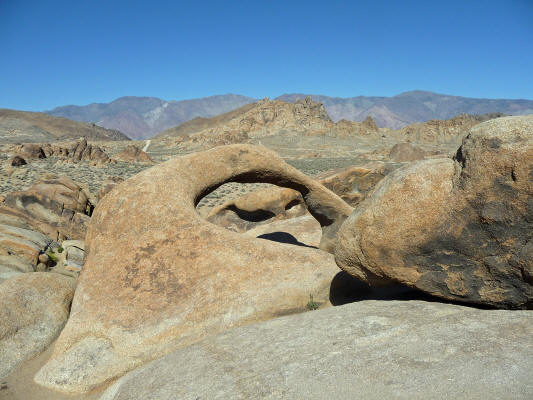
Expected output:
{"points": [[354, 183], [367, 350], [132, 153], [403, 152], [157, 276], [458, 229], [35, 307], [58, 208]]}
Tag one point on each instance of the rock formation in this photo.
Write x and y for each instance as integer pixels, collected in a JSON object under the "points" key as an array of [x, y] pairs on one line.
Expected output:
{"points": [[158, 277], [367, 350], [20, 247], [18, 161], [247, 211], [75, 152], [267, 118], [447, 130], [35, 307], [458, 229], [58, 208], [403, 152], [354, 183], [108, 185], [133, 154]]}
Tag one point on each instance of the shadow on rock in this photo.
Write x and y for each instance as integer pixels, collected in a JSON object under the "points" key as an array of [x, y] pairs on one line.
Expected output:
{"points": [[283, 237], [346, 289]]}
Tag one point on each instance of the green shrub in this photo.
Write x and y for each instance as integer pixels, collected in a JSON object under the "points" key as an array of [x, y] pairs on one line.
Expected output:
{"points": [[52, 256], [311, 305], [60, 249]]}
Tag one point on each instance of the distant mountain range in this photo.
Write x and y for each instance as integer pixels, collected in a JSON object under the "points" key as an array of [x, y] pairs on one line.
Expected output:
{"points": [[144, 117], [33, 127]]}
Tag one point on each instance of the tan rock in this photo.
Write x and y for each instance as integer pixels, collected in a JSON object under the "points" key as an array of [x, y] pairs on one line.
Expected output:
{"points": [[460, 230], [20, 249], [35, 307], [157, 276], [31, 151], [268, 204], [403, 152], [301, 231], [75, 152], [59, 208], [108, 185], [353, 184], [133, 154]]}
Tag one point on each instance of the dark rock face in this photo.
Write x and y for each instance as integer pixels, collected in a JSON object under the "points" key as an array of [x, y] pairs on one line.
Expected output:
{"points": [[18, 161], [459, 229]]}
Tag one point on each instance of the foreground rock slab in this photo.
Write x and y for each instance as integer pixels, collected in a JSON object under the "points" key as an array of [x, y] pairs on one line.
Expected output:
{"points": [[458, 229], [367, 350], [158, 277], [35, 307]]}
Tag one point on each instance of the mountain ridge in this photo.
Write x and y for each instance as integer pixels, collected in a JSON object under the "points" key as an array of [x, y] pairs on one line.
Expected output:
{"points": [[145, 117]]}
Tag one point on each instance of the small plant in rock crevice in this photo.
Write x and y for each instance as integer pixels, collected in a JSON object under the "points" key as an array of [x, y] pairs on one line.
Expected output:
{"points": [[311, 305]]}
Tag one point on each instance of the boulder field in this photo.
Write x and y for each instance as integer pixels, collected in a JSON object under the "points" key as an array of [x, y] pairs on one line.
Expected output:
{"points": [[157, 276]]}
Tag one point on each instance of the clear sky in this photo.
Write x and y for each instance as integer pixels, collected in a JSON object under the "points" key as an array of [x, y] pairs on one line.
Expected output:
{"points": [[81, 51]]}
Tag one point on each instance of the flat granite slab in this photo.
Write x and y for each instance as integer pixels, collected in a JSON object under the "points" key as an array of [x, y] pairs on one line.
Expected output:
{"points": [[364, 350]]}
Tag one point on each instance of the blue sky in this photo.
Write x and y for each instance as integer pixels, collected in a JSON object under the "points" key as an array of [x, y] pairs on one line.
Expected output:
{"points": [[76, 52]]}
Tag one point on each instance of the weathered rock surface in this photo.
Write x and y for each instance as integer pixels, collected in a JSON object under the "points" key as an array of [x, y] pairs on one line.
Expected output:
{"points": [[71, 260], [158, 277], [302, 231], [247, 211], [366, 350], [448, 130], [354, 183], [108, 185], [403, 152], [266, 118], [35, 307], [133, 153], [58, 208], [460, 230], [20, 249], [75, 152]]}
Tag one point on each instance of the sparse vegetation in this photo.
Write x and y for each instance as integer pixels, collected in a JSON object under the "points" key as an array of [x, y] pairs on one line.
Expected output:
{"points": [[311, 305], [52, 256]]}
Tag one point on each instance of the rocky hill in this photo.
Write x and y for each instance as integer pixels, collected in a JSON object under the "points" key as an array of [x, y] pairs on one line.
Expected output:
{"points": [[444, 130], [410, 107], [34, 127], [144, 117], [272, 117]]}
